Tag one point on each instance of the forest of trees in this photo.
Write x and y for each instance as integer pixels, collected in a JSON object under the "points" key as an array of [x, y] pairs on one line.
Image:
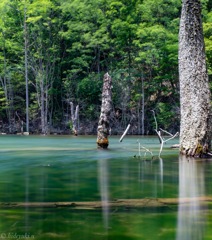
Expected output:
{"points": [[56, 52]]}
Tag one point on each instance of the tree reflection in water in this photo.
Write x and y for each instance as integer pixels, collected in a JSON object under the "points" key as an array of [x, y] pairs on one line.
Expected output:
{"points": [[103, 185], [191, 219]]}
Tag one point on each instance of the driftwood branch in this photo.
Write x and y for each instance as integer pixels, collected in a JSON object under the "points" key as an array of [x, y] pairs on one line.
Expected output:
{"points": [[161, 139], [146, 150], [125, 132], [168, 133]]}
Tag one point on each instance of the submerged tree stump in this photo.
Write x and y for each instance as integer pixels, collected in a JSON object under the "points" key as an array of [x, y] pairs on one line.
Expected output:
{"points": [[116, 204], [104, 119]]}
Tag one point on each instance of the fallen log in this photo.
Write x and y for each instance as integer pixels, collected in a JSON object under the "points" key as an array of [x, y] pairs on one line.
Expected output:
{"points": [[119, 203]]}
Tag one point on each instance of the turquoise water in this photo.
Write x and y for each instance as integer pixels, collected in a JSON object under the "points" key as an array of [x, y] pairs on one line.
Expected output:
{"points": [[67, 169]]}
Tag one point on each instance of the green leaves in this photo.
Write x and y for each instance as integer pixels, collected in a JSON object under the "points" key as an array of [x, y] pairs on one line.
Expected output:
{"points": [[207, 28], [72, 43]]}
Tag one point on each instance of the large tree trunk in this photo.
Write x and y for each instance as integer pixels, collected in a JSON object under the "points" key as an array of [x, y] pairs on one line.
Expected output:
{"points": [[195, 129], [103, 125]]}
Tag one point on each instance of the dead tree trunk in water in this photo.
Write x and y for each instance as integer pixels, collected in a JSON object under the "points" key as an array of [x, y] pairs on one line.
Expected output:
{"points": [[195, 129], [74, 118], [103, 125]]}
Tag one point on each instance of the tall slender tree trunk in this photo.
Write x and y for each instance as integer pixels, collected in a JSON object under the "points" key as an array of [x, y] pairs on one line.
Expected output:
{"points": [[10, 107], [195, 129], [26, 68], [143, 107], [104, 119], [46, 110], [42, 106], [8, 89]]}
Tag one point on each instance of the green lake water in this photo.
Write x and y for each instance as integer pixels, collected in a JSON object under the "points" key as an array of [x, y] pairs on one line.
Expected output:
{"points": [[71, 169]]}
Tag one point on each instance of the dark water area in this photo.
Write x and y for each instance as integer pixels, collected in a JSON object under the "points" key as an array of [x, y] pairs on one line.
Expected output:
{"points": [[71, 169]]}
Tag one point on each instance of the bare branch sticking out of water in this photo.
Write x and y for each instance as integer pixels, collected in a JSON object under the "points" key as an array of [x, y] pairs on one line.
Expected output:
{"points": [[125, 132], [145, 149], [165, 140], [161, 139], [168, 133]]}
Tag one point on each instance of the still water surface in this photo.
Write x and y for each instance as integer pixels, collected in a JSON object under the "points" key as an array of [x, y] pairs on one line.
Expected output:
{"points": [[66, 169]]}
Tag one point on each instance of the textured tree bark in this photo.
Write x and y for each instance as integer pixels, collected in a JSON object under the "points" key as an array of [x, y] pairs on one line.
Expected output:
{"points": [[74, 118], [104, 119], [195, 129]]}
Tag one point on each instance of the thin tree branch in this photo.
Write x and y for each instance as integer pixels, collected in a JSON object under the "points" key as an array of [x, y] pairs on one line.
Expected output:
{"points": [[125, 132], [161, 139], [156, 123]]}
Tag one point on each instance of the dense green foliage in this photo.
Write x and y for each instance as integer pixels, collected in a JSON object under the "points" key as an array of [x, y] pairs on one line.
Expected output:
{"points": [[71, 44]]}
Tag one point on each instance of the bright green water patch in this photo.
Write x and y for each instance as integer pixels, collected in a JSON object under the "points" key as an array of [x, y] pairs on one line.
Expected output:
{"points": [[66, 169], [63, 224]]}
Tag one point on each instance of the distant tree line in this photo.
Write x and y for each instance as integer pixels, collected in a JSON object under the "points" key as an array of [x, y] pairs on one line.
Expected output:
{"points": [[61, 49]]}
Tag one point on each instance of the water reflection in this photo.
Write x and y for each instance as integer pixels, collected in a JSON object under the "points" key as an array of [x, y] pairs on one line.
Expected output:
{"points": [[150, 176], [26, 199], [104, 192], [161, 173], [191, 219]]}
